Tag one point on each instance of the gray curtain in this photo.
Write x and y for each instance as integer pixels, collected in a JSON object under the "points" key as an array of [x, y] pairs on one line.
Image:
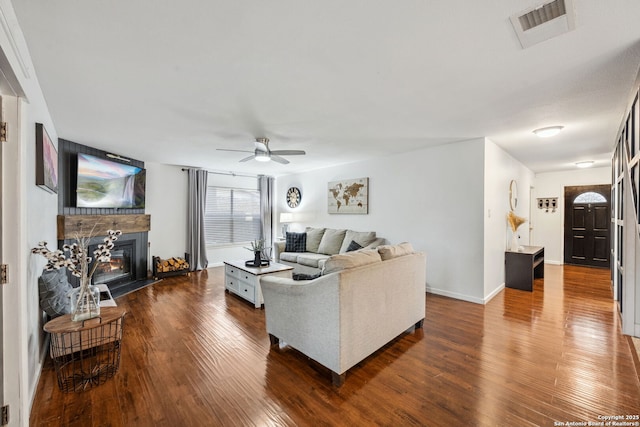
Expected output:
{"points": [[196, 201], [265, 185]]}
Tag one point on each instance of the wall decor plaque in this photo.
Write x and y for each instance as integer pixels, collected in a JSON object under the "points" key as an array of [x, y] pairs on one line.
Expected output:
{"points": [[349, 196]]}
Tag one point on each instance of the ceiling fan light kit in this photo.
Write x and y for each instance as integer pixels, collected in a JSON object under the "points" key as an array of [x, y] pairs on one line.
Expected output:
{"points": [[548, 131]]}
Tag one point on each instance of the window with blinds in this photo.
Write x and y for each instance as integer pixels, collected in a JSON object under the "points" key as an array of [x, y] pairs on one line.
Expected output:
{"points": [[232, 215]]}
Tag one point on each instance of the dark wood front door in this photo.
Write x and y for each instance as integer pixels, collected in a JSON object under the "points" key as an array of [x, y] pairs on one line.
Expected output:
{"points": [[587, 220]]}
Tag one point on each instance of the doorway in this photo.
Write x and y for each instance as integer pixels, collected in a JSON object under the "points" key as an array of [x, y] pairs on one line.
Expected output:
{"points": [[587, 219]]}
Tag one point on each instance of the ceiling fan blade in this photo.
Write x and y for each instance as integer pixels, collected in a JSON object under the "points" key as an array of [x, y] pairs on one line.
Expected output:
{"points": [[279, 159], [239, 151], [289, 152], [246, 159]]}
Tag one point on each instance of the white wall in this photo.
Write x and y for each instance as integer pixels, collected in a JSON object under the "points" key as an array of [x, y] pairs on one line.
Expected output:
{"points": [[29, 216], [432, 198], [548, 228], [500, 169], [166, 202]]}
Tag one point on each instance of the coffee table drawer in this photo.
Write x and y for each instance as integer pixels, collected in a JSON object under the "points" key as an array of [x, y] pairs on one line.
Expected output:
{"points": [[247, 291], [232, 283], [232, 271]]}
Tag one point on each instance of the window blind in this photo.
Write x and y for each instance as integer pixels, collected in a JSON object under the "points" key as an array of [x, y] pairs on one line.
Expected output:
{"points": [[232, 215]]}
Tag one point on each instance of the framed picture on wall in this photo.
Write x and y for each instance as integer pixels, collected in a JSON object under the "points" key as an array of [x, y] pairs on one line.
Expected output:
{"points": [[46, 161], [349, 196]]}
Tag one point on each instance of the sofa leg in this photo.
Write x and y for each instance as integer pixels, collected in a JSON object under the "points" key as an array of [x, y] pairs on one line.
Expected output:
{"points": [[338, 379], [419, 324], [273, 339]]}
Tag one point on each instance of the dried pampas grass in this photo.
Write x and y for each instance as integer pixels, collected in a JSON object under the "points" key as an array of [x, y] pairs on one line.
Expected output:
{"points": [[515, 221]]}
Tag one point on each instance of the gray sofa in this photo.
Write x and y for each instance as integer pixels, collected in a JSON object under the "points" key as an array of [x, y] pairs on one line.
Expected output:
{"points": [[320, 244], [363, 300]]}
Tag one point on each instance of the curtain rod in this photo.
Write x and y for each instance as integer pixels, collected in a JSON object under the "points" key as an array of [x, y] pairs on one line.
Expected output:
{"points": [[225, 173]]}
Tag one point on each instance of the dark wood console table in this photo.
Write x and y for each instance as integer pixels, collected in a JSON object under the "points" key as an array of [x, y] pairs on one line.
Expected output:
{"points": [[522, 267]]}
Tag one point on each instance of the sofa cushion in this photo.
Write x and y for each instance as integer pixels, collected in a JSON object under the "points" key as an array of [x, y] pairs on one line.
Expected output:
{"points": [[314, 236], [296, 242], [331, 241], [363, 238], [310, 259], [289, 256], [377, 242], [394, 251], [353, 246], [350, 260]]}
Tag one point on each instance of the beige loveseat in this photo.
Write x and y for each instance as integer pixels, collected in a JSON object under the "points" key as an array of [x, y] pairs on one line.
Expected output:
{"points": [[364, 300], [320, 244]]}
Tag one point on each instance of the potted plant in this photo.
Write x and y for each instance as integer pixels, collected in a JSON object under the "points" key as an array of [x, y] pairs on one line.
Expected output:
{"points": [[257, 247]]}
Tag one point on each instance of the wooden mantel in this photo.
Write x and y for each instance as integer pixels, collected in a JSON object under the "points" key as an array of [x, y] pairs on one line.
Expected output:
{"points": [[72, 226]]}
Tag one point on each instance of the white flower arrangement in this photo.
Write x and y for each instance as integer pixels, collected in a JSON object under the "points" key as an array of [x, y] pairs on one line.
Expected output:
{"points": [[78, 261]]}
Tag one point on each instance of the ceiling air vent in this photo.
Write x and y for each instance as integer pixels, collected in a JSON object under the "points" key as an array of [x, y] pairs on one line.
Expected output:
{"points": [[543, 22]]}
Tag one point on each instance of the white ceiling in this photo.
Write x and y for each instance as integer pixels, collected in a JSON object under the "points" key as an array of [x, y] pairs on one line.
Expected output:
{"points": [[171, 81]]}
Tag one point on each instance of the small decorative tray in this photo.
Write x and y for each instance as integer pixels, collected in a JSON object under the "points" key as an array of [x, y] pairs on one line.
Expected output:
{"points": [[263, 263]]}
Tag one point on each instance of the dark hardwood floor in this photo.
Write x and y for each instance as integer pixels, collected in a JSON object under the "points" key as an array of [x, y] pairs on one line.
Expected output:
{"points": [[195, 356]]}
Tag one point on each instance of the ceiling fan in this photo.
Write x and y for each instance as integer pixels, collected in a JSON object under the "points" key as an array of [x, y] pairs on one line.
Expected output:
{"points": [[262, 153]]}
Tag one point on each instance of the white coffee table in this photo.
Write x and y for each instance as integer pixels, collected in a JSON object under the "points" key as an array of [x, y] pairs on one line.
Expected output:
{"points": [[245, 281]]}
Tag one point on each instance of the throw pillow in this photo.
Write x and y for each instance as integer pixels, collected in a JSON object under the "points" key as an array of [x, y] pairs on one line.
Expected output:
{"points": [[295, 242], [353, 246], [331, 241], [54, 288], [302, 276], [350, 260], [314, 236], [394, 251], [362, 237]]}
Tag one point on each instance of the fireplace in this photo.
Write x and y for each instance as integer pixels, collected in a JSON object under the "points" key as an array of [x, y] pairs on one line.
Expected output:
{"points": [[128, 268], [120, 268]]}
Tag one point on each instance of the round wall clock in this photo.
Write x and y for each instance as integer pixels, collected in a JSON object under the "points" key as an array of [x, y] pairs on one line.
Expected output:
{"points": [[293, 197]]}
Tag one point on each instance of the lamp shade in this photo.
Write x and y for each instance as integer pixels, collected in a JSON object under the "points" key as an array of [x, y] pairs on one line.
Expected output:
{"points": [[286, 217]]}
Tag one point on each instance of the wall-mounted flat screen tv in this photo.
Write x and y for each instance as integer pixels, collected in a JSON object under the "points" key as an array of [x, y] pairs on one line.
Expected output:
{"points": [[105, 184]]}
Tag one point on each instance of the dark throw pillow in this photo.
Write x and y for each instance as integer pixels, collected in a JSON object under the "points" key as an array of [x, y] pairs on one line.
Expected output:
{"points": [[54, 288], [353, 246], [301, 276], [295, 242]]}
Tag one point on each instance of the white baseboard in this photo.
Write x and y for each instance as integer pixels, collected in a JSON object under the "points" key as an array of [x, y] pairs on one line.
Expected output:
{"points": [[455, 295], [495, 292], [553, 262]]}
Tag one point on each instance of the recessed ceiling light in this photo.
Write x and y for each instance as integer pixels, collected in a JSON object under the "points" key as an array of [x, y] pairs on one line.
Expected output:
{"points": [[548, 131], [585, 164]]}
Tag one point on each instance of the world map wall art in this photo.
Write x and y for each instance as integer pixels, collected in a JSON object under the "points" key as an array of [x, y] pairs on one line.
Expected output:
{"points": [[349, 196]]}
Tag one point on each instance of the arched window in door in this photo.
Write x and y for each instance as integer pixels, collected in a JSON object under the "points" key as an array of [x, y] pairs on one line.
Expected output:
{"points": [[586, 225], [590, 197]]}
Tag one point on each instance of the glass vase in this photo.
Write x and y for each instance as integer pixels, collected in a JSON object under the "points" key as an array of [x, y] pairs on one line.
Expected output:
{"points": [[85, 301]]}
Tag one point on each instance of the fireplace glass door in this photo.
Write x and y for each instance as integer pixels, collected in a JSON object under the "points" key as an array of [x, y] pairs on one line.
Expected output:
{"points": [[119, 269]]}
